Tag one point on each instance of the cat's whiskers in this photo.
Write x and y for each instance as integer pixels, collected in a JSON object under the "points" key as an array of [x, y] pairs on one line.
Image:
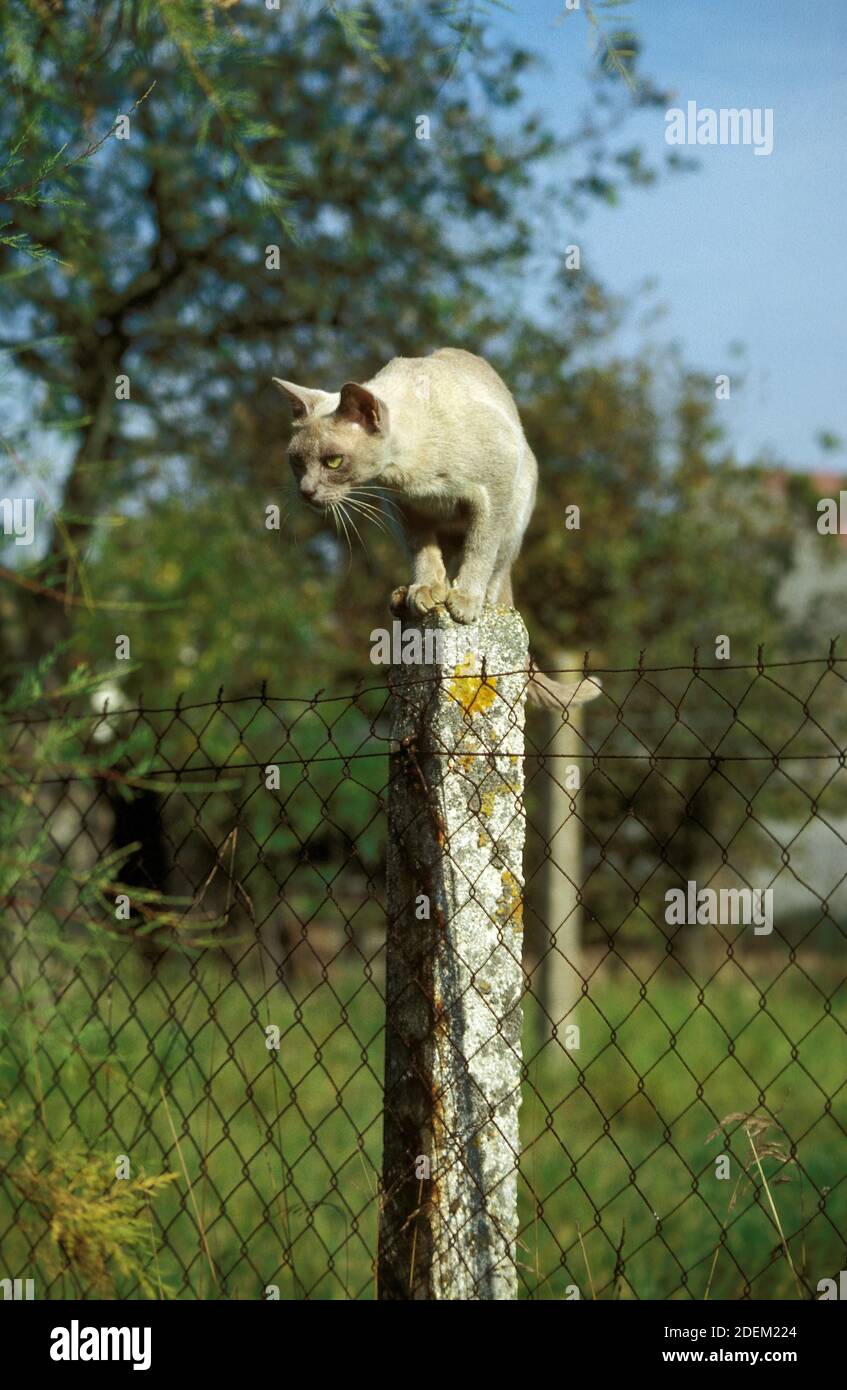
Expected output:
{"points": [[370, 513], [338, 514], [375, 492], [290, 511], [385, 509], [365, 517], [344, 512]]}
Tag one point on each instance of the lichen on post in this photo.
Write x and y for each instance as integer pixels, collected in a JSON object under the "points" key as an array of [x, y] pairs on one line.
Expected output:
{"points": [[454, 978]]}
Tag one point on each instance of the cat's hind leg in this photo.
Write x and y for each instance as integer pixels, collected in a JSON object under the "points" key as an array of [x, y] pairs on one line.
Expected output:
{"points": [[500, 589]]}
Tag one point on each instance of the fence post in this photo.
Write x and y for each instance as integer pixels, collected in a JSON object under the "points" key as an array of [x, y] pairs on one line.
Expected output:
{"points": [[454, 978], [561, 977]]}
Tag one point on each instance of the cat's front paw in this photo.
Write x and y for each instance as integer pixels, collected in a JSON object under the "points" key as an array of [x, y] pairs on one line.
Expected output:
{"points": [[465, 608], [422, 598], [399, 599]]}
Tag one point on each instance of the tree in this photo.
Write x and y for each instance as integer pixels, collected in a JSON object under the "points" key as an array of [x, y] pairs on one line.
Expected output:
{"points": [[264, 199]]}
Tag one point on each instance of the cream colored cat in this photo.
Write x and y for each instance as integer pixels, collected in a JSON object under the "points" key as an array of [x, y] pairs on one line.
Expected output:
{"points": [[442, 434]]}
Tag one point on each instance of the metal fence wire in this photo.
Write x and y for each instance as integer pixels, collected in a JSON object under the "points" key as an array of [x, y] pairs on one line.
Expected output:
{"points": [[193, 985]]}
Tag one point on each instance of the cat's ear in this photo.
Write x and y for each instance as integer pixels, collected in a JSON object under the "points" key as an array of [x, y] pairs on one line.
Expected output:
{"points": [[361, 407], [304, 400]]}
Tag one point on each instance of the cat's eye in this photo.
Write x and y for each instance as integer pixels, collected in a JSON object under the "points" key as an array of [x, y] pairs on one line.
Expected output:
{"points": [[334, 461]]}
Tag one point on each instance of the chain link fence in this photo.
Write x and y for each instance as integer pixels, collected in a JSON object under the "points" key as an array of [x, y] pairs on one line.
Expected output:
{"points": [[193, 991]]}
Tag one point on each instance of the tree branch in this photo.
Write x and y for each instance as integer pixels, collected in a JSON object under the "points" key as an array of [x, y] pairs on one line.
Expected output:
{"points": [[8, 194]]}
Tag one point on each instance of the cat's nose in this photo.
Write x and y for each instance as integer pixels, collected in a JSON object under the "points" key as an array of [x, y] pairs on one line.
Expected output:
{"points": [[307, 490]]}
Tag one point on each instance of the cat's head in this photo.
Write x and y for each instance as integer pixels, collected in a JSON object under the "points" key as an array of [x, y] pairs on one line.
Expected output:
{"points": [[339, 440]]}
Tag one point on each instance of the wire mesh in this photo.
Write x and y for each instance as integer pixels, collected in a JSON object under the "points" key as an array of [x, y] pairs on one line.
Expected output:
{"points": [[193, 953]]}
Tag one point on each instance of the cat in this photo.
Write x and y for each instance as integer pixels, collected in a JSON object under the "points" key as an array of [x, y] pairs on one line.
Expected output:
{"points": [[443, 437]]}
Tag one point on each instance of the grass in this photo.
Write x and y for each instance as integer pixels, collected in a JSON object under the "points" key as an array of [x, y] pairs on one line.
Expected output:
{"points": [[277, 1152], [621, 1141]]}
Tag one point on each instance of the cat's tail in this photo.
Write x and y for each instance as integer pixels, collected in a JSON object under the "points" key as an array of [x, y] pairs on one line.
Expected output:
{"points": [[543, 690]]}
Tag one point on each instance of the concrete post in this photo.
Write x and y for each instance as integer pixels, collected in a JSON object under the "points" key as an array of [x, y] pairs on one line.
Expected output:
{"points": [[454, 976], [561, 972]]}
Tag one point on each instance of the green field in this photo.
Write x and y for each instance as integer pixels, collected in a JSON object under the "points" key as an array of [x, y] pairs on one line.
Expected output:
{"points": [[279, 1151]]}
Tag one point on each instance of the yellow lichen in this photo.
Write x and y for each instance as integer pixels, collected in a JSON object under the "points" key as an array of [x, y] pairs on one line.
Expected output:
{"points": [[510, 902], [474, 694]]}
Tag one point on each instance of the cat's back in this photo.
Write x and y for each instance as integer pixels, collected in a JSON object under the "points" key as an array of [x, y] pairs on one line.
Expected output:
{"points": [[452, 376]]}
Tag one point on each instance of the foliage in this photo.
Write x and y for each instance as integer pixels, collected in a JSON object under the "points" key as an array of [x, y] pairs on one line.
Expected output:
{"points": [[63, 894], [251, 129], [98, 1225]]}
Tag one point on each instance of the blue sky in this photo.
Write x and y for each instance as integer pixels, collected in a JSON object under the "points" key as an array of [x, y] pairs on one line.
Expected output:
{"points": [[748, 249]]}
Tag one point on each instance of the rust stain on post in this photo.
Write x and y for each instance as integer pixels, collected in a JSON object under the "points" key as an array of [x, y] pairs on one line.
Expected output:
{"points": [[454, 978]]}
